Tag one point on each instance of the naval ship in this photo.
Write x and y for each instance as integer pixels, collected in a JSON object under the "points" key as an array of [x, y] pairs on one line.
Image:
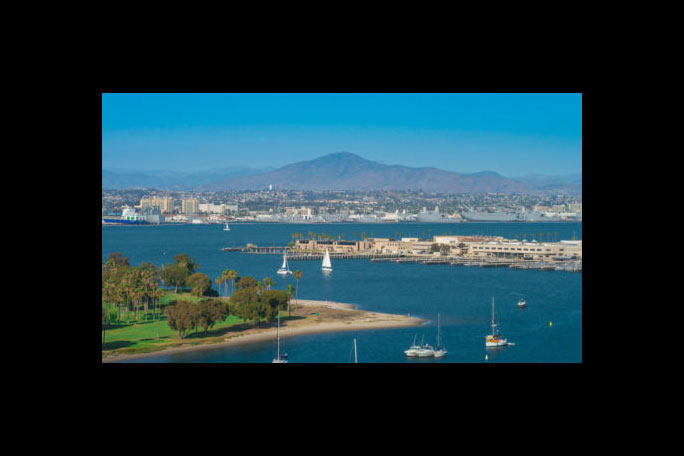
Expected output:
{"points": [[435, 217]]}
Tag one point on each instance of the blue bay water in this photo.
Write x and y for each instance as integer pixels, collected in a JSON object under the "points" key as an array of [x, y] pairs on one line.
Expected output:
{"points": [[461, 295]]}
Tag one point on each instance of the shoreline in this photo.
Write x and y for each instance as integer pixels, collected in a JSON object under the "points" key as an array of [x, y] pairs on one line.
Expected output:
{"points": [[342, 317]]}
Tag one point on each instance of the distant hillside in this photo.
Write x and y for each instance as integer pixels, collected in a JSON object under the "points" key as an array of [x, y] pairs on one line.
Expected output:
{"points": [[347, 171], [340, 171]]}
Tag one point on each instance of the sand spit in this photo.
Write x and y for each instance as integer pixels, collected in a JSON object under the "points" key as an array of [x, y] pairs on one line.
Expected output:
{"points": [[332, 317]]}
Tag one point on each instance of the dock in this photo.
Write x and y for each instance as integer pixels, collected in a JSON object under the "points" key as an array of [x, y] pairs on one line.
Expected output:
{"points": [[570, 266]]}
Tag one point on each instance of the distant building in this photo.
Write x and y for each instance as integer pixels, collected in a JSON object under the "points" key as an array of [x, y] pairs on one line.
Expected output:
{"points": [[165, 205], [190, 206], [212, 208]]}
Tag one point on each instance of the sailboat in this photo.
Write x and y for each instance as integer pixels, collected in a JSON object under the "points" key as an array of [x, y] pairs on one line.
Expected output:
{"points": [[413, 349], [284, 269], [226, 228], [494, 339], [425, 350], [439, 350], [522, 303], [278, 359], [327, 267]]}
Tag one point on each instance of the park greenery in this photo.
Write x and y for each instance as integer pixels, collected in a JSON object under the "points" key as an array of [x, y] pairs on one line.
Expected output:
{"points": [[136, 301]]}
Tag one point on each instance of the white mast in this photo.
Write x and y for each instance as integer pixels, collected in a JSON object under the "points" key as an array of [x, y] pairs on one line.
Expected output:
{"points": [[278, 358], [438, 345], [355, 358]]}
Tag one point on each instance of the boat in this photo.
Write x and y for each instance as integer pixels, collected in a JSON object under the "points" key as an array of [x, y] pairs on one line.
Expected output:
{"points": [[278, 359], [284, 269], [226, 228], [439, 351], [435, 216], [500, 215], [327, 267], [413, 349], [128, 217], [522, 303], [425, 351], [494, 339]]}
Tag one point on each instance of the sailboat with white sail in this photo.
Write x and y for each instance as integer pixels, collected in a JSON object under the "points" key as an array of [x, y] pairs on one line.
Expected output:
{"points": [[226, 228], [284, 269], [278, 359], [326, 267], [495, 339]]}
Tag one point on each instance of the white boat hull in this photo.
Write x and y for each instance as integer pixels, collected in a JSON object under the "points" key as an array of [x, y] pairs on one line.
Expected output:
{"points": [[499, 343], [440, 353], [280, 361], [326, 269], [426, 353], [283, 272]]}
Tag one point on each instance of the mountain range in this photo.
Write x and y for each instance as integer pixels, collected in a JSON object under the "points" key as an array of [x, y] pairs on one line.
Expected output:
{"points": [[340, 171]]}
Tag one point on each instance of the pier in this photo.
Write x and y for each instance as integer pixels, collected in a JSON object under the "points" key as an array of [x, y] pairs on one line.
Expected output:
{"points": [[570, 266]]}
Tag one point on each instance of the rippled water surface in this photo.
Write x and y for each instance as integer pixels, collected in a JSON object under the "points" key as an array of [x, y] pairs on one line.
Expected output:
{"points": [[462, 295]]}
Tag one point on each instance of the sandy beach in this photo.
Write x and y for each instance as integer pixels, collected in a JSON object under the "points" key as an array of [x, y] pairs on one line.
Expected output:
{"points": [[332, 317]]}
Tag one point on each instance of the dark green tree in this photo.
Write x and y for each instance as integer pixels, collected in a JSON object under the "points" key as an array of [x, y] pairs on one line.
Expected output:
{"points": [[182, 317], [174, 275], [199, 282]]}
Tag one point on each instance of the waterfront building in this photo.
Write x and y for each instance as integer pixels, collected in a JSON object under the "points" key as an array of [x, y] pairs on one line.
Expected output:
{"points": [[525, 250], [190, 206], [334, 246]]}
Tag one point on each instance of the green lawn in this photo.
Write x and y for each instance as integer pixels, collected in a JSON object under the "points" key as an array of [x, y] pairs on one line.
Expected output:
{"points": [[156, 335]]}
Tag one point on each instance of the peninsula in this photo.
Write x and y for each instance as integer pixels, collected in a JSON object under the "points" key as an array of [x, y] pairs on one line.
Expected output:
{"points": [[307, 317]]}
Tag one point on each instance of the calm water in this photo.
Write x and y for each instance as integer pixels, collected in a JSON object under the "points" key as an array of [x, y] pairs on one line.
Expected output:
{"points": [[462, 295]]}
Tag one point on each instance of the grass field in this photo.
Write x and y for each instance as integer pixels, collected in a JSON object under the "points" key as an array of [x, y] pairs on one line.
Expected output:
{"points": [[156, 335]]}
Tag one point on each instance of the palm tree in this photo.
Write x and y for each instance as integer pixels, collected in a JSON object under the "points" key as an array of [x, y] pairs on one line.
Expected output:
{"points": [[290, 292], [224, 276], [297, 275], [268, 282], [219, 280], [232, 275]]}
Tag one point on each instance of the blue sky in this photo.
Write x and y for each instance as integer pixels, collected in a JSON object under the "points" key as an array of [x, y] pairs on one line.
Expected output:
{"points": [[512, 134]]}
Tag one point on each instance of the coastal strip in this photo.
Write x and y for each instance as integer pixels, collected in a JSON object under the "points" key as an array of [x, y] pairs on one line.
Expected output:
{"points": [[315, 317]]}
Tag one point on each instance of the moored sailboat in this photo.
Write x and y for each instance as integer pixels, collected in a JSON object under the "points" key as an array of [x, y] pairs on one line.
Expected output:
{"points": [[439, 350], [495, 339], [413, 349], [226, 228], [278, 359]]}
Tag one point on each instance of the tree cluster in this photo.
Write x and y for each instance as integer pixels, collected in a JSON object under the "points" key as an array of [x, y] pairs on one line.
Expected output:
{"points": [[251, 301], [185, 315]]}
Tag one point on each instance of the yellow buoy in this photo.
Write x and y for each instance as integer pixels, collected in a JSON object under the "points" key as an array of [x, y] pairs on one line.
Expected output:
{"points": [[550, 323], [486, 357]]}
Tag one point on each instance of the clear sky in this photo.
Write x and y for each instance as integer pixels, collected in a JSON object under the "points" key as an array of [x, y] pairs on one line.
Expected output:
{"points": [[512, 134]]}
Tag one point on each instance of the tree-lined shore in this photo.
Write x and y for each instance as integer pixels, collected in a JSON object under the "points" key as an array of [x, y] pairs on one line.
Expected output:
{"points": [[147, 308]]}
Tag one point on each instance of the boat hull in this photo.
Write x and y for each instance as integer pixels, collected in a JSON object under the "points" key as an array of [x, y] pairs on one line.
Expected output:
{"points": [[497, 343]]}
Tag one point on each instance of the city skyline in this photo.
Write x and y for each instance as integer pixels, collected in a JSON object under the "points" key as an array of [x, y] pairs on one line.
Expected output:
{"points": [[511, 134]]}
